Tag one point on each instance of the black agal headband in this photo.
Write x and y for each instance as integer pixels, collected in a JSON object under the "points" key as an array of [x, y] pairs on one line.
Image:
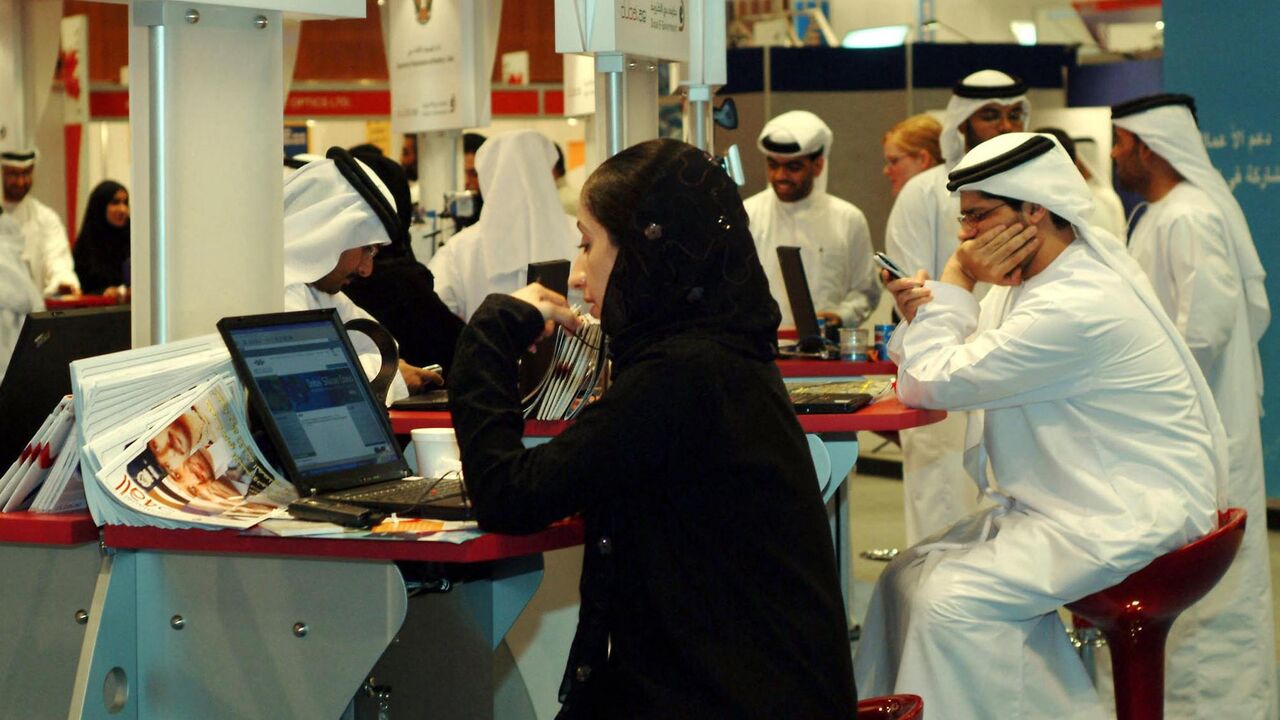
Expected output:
{"points": [[1027, 151], [368, 190], [1151, 102]]}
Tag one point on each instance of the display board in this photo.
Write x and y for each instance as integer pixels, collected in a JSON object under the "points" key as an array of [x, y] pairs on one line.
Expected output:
{"points": [[440, 61], [1218, 53]]}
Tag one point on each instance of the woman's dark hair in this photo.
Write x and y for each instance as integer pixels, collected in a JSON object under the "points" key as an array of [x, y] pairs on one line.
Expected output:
{"points": [[613, 192], [686, 262]]}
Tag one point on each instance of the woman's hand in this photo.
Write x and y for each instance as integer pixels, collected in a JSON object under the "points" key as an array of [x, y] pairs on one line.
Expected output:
{"points": [[554, 308], [908, 293]]}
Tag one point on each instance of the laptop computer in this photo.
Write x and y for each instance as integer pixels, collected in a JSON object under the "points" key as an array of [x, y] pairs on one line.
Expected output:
{"points": [[37, 377], [809, 338], [829, 397], [332, 439]]}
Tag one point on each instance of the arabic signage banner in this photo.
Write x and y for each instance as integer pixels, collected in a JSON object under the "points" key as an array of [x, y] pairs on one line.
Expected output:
{"points": [[438, 79], [579, 85], [645, 28], [1218, 52]]}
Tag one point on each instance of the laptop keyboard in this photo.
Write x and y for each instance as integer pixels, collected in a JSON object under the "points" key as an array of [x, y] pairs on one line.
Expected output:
{"points": [[410, 491]]}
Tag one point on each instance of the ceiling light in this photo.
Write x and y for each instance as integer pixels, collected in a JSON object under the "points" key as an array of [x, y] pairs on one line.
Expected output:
{"points": [[876, 37]]}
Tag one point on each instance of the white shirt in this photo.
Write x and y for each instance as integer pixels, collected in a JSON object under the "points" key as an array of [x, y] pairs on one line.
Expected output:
{"points": [[1108, 210], [1182, 245], [18, 296], [1091, 421], [47, 252], [305, 297], [835, 245], [463, 277]]}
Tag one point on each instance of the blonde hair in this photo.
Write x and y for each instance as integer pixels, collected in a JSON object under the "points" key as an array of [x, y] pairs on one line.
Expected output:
{"points": [[915, 134]]}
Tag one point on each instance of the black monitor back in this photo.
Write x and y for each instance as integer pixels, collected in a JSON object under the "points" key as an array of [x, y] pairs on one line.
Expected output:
{"points": [[38, 374]]}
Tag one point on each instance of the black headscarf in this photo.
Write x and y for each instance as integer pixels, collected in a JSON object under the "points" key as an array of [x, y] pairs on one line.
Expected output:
{"points": [[102, 249], [400, 293], [686, 260]]}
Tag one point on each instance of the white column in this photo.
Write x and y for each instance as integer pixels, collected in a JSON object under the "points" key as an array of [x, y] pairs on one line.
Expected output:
{"points": [[206, 116]]}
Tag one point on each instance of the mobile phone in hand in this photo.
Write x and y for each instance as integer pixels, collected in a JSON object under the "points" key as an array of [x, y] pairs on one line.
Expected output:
{"points": [[887, 263]]}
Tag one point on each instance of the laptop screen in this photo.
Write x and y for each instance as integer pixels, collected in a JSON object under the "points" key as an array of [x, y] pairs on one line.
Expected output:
{"points": [[311, 393], [802, 310]]}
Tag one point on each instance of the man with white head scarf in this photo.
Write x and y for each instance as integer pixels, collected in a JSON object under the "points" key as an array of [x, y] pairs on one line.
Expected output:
{"points": [[336, 214], [1100, 431], [921, 234], [18, 295], [47, 250], [522, 222], [796, 210], [1194, 245]]}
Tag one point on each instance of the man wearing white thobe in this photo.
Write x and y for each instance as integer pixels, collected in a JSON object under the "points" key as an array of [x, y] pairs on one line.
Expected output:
{"points": [[336, 214], [522, 223], [47, 249], [18, 295], [921, 234], [1099, 428], [797, 210], [1194, 245]]}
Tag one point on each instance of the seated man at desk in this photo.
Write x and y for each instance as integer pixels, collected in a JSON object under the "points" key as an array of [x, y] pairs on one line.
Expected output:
{"points": [[336, 215], [1100, 430], [709, 584]]}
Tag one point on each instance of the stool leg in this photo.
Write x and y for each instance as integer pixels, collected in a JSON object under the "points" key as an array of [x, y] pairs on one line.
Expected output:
{"points": [[1137, 657]]}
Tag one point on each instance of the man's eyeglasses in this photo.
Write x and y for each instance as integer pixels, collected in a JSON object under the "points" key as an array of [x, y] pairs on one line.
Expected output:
{"points": [[971, 218]]}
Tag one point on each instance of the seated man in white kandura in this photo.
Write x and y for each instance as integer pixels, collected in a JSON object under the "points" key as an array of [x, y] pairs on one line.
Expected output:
{"points": [[1100, 430]]}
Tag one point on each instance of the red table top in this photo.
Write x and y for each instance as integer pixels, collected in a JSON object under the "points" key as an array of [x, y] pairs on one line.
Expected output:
{"points": [[793, 368], [80, 301], [566, 533], [888, 414], [47, 529]]}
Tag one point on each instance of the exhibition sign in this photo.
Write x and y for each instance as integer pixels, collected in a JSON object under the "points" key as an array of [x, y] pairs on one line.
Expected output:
{"points": [[439, 62]]}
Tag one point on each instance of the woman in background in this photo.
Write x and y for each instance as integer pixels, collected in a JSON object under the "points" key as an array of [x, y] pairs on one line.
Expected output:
{"points": [[911, 147], [709, 585], [102, 247]]}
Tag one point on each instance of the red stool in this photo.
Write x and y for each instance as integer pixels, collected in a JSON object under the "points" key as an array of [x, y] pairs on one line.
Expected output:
{"points": [[891, 707], [1135, 616]]}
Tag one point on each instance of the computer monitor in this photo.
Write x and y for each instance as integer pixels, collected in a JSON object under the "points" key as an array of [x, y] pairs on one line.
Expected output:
{"points": [[809, 339], [38, 377], [307, 387]]}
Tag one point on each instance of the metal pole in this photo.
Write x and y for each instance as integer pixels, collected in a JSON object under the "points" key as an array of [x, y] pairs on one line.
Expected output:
{"points": [[613, 65], [159, 185], [698, 123]]}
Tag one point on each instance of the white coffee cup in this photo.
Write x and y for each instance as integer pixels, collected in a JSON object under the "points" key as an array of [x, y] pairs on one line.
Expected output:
{"points": [[436, 450]]}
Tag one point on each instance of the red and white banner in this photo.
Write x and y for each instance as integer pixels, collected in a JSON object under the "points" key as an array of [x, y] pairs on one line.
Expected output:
{"points": [[73, 70]]}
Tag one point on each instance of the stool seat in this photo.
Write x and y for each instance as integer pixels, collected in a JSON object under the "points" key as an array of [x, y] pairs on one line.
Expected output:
{"points": [[891, 707], [1135, 615]]}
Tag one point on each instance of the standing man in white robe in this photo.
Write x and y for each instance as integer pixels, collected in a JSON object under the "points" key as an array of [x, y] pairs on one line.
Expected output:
{"points": [[522, 223], [1194, 245], [336, 214], [47, 248], [1100, 431], [797, 210], [921, 234], [18, 295]]}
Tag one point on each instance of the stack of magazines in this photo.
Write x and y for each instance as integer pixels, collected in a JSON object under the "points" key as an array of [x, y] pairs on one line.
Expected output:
{"points": [[45, 477], [164, 440], [577, 365]]}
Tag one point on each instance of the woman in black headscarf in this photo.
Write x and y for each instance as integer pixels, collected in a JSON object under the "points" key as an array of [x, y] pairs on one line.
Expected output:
{"points": [[400, 294], [709, 584], [102, 247]]}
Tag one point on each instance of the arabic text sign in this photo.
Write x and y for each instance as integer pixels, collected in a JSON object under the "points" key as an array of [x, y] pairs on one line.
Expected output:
{"points": [[647, 28]]}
